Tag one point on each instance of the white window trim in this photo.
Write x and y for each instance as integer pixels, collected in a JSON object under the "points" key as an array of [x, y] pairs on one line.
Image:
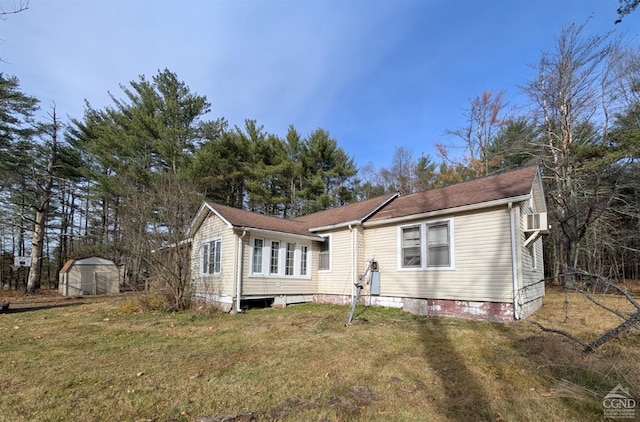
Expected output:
{"points": [[278, 255], [286, 259], [423, 245], [252, 252], [209, 241], [282, 255], [300, 261], [327, 270]]}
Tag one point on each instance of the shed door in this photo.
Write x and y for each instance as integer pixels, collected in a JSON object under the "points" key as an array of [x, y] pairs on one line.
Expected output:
{"points": [[87, 283], [103, 282]]}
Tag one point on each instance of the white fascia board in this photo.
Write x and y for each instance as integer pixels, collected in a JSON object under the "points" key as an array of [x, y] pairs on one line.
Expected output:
{"points": [[538, 180], [446, 211], [229, 225], [335, 226], [281, 234], [201, 215], [197, 220]]}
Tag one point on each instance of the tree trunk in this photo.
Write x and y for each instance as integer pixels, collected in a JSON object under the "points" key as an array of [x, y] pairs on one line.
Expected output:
{"points": [[37, 242], [42, 210], [572, 256]]}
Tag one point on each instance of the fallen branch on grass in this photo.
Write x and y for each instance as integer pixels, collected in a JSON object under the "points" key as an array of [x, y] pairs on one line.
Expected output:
{"points": [[562, 333], [630, 320]]}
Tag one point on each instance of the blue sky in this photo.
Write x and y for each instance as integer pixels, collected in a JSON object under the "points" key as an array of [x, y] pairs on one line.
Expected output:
{"points": [[377, 74]]}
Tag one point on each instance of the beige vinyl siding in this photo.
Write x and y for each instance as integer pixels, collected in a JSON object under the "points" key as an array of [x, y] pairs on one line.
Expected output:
{"points": [[218, 284], [532, 279], [481, 258], [530, 286], [272, 285], [339, 279], [361, 259]]}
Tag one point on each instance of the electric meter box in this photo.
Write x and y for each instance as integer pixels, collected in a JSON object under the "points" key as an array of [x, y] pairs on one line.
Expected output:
{"points": [[375, 282]]}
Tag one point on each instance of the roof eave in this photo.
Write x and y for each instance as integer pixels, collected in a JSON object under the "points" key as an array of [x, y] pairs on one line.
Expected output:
{"points": [[201, 215], [280, 233], [538, 180], [335, 226], [454, 210]]}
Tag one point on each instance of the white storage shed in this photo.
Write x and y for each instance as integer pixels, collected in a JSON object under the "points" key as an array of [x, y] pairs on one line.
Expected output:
{"points": [[88, 276]]}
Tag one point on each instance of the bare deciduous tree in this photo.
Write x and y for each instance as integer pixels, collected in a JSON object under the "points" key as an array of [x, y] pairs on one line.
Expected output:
{"points": [[155, 240], [567, 93], [484, 121]]}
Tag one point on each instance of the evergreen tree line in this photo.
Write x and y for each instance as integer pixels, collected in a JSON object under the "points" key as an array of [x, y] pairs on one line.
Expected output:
{"points": [[124, 181]]}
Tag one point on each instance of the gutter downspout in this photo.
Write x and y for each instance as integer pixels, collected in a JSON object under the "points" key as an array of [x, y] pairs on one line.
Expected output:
{"points": [[353, 270], [239, 273], [514, 266]]}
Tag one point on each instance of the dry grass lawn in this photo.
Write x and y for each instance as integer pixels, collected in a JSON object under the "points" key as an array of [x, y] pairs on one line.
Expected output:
{"points": [[97, 359]]}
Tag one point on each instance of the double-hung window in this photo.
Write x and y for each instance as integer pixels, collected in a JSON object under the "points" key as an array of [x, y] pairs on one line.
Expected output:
{"points": [[257, 255], [324, 257], [304, 256], [411, 250], [438, 245], [426, 245], [211, 254], [290, 258], [279, 258], [274, 267]]}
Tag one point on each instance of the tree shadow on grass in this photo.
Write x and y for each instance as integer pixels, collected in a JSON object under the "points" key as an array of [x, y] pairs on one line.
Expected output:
{"points": [[37, 306], [465, 398]]}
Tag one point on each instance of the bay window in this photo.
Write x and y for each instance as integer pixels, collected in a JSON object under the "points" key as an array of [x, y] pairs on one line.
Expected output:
{"points": [[279, 258]]}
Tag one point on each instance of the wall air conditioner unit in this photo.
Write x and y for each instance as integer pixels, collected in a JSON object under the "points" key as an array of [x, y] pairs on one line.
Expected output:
{"points": [[536, 222]]}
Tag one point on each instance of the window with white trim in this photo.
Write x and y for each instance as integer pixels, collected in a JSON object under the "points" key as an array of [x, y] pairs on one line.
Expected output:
{"points": [[324, 256], [438, 245], [290, 258], [427, 245], [257, 256], [411, 251], [211, 256], [279, 258], [274, 267], [304, 259]]}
